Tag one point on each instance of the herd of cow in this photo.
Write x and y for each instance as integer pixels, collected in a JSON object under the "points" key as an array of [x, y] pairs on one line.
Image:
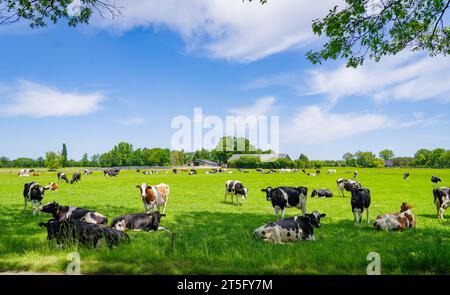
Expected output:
{"points": [[71, 224]]}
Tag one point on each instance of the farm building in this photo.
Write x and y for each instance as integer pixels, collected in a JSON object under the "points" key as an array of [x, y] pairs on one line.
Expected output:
{"points": [[203, 162], [262, 157], [388, 164]]}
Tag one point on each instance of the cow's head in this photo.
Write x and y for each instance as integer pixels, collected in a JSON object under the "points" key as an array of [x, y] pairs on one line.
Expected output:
{"points": [[314, 193], [38, 192], [155, 219], [405, 207], [52, 228], [314, 218], [268, 192], [51, 207]]}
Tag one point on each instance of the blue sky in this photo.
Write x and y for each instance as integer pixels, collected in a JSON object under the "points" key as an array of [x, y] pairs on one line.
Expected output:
{"points": [[125, 79]]}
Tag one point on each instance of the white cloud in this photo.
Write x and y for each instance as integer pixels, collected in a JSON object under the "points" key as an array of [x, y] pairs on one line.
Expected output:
{"points": [[37, 100], [235, 30], [404, 77], [315, 125], [134, 121], [262, 107]]}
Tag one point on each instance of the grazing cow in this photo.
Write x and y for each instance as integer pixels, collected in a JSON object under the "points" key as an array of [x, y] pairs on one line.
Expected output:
{"points": [[62, 213], [234, 188], [82, 233], [318, 172], [360, 200], [33, 192], [435, 179], [311, 174], [441, 200], [259, 170], [154, 196], [193, 172], [331, 171], [346, 184], [406, 175], [87, 172], [25, 172], [62, 177], [355, 174], [304, 171], [76, 178], [291, 229], [138, 170], [396, 221], [287, 197], [139, 221], [322, 193], [52, 186], [111, 172]]}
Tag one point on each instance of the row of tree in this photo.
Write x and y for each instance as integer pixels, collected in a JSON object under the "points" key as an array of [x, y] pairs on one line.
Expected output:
{"points": [[123, 154]]}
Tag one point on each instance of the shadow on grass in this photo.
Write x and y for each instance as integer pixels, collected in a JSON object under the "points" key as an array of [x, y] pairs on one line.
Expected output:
{"points": [[222, 243]]}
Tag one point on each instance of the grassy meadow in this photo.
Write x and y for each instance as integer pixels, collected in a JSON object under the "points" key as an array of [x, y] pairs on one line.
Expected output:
{"points": [[213, 237]]}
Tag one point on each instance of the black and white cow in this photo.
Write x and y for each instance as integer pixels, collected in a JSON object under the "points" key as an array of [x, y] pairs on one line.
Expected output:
{"points": [[286, 197], [33, 192], [435, 179], [193, 172], [87, 172], [234, 188], [291, 229], [360, 200], [441, 200], [62, 177], [405, 175], [71, 232], [76, 178], [346, 184], [322, 193], [62, 213], [111, 172], [355, 174], [139, 221], [25, 172]]}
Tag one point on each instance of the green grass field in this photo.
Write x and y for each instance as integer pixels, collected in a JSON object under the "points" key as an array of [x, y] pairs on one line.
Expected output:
{"points": [[216, 238]]}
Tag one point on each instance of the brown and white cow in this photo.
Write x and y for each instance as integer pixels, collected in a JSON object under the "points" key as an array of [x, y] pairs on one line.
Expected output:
{"points": [[396, 221], [154, 196], [52, 186]]}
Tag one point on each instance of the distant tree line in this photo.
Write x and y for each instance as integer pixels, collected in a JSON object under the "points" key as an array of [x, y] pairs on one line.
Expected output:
{"points": [[124, 154]]}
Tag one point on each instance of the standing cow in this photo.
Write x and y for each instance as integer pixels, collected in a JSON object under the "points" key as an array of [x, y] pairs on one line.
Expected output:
{"points": [[62, 177], [346, 184], [441, 200], [33, 192], [360, 200], [75, 178], [234, 188], [287, 197], [154, 196]]}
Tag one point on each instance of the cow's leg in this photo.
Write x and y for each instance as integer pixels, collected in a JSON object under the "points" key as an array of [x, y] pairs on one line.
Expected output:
{"points": [[33, 204], [282, 213], [276, 212], [360, 213], [226, 194], [25, 204], [441, 213], [354, 216], [368, 217], [303, 208], [164, 207]]}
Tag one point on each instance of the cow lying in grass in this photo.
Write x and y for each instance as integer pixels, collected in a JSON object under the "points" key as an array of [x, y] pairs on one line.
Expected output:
{"points": [[322, 193], [291, 229], [63, 213], [396, 221], [139, 221], [82, 233]]}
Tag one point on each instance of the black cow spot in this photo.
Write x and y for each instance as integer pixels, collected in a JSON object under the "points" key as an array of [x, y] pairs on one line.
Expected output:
{"points": [[263, 233], [288, 234]]}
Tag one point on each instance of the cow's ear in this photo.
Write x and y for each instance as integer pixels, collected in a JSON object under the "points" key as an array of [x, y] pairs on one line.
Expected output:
{"points": [[322, 215], [42, 224]]}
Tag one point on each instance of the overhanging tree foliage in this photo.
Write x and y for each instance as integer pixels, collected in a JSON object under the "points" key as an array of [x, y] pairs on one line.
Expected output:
{"points": [[39, 12], [375, 28]]}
